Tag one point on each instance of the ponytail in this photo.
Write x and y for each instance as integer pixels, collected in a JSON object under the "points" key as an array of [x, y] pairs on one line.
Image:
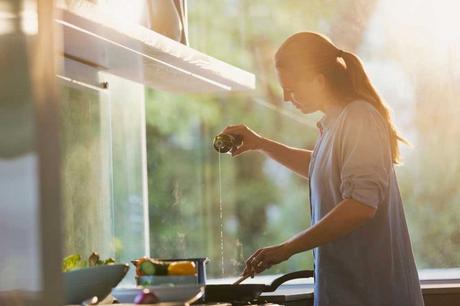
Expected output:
{"points": [[364, 89], [308, 52]]}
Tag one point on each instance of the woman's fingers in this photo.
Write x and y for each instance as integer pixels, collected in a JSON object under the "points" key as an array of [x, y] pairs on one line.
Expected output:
{"points": [[233, 128], [236, 130], [249, 265], [257, 263], [235, 125], [260, 269], [247, 271], [238, 151], [249, 260], [261, 260], [251, 139], [262, 263], [250, 269], [268, 257], [258, 260]]}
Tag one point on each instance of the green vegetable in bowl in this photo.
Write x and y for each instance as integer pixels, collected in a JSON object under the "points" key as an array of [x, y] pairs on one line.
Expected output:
{"points": [[75, 261], [109, 261], [72, 262], [148, 267]]}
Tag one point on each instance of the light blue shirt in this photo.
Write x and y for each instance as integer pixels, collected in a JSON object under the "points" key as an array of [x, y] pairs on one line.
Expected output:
{"points": [[374, 265]]}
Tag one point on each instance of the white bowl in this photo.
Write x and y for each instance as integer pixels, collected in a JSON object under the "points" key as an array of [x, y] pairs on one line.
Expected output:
{"points": [[172, 293], [85, 283]]}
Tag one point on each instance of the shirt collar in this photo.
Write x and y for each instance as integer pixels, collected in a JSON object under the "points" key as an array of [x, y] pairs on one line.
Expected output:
{"points": [[328, 119]]}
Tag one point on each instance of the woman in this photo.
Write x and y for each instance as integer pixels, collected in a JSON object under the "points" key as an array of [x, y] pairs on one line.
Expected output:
{"points": [[361, 246]]}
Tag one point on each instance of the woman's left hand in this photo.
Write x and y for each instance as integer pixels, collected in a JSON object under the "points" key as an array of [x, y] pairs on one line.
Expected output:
{"points": [[264, 258]]}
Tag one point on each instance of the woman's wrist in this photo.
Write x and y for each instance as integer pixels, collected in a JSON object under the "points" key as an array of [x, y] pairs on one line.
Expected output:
{"points": [[260, 143], [288, 249]]}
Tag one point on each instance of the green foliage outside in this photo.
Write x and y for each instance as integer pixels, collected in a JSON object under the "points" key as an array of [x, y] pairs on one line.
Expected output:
{"points": [[264, 204]]}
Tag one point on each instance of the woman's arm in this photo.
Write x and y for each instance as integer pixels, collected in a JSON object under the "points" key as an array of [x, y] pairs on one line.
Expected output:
{"points": [[346, 217], [295, 159]]}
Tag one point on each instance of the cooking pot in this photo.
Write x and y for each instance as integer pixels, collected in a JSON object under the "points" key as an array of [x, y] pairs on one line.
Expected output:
{"points": [[200, 263]]}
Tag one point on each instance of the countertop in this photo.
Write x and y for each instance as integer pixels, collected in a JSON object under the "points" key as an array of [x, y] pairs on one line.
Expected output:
{"points": [[289, 293], [298, 293]]}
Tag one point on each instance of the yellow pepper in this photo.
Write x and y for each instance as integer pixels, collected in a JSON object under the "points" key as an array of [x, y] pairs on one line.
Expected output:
{"points": [[182, 268]]}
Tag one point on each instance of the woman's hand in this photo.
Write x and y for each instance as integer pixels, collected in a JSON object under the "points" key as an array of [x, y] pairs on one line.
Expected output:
{"points": [[251, 140], [264, 258]]}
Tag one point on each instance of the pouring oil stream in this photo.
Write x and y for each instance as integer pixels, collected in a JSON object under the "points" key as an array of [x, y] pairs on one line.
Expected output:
{"points": [[221, 218], [224, 143]]}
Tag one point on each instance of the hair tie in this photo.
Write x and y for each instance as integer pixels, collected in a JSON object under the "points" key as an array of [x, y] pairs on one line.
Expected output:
{"points": [[340, 53]]}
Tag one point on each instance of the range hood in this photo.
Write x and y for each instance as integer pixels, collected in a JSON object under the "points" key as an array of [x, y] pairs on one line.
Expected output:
{"points": [[139, 54]]}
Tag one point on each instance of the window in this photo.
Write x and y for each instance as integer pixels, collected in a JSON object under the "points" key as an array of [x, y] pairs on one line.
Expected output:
{"points": [[103, 167], [258, 196], [411, 58]]}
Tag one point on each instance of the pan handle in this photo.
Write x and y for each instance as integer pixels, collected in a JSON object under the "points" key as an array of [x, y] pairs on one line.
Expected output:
{"points": [[286, 277]]}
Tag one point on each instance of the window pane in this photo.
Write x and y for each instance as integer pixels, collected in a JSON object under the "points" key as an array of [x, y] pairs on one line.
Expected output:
{"points": [[411, 59], [261, 202], [87, 167], [129, 170], [104, 173]]}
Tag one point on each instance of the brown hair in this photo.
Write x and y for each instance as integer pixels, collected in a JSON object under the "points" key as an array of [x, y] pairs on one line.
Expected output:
{"points": [[311, 53]]}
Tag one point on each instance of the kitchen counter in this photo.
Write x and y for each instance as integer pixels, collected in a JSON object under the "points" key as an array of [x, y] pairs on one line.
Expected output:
{"points": [[439, 292], [445, 293], [290, 295]]}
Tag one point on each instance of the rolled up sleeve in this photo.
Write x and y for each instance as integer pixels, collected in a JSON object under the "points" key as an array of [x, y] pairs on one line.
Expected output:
{"points": [[365, 156]]}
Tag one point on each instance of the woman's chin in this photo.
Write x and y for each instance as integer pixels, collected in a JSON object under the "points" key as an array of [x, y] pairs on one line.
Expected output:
{"points": [[305, 110]]}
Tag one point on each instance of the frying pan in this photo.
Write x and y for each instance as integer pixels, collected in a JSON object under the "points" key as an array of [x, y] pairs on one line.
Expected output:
{"points": [[249, 292]]}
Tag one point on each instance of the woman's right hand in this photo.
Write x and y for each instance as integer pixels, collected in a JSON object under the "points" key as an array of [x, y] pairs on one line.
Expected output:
{"points": [[251, 140]]}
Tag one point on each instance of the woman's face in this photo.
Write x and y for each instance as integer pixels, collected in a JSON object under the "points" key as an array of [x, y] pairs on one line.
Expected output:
{"points": [[305, 93]]}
